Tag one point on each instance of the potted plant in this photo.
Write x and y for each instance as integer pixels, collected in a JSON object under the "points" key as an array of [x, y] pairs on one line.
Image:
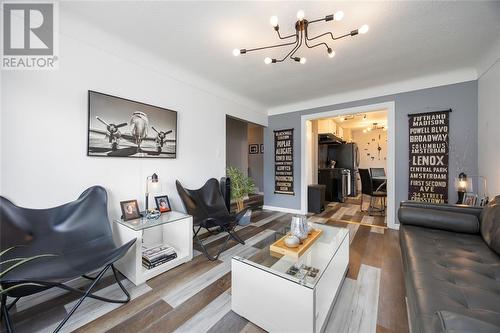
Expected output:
{"points": [[241, 186]]}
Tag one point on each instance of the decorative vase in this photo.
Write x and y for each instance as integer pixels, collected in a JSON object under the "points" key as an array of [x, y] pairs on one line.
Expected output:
{"points": [[298, 227], [310, 227]]}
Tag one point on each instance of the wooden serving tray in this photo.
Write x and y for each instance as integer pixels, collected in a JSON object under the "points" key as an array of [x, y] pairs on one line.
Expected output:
{"points": [[279, 248]]}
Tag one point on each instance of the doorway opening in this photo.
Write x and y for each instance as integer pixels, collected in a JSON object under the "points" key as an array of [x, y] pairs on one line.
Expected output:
{"points": [[245, 152], [349, 154]]}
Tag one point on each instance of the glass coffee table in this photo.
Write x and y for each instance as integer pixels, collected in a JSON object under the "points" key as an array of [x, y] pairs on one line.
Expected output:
{"points": [[291, 294]]}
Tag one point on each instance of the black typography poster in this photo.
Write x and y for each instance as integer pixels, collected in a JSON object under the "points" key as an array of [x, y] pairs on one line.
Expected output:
{"points": [[283, 161], [429, 156]]}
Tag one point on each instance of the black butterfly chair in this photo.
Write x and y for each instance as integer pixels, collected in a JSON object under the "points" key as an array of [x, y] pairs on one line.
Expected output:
{"points": [[209, 211], [77, 235]]}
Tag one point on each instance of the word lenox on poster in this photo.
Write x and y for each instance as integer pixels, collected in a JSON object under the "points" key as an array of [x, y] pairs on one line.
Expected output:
{"points": [[283, 161], [429, 156]]}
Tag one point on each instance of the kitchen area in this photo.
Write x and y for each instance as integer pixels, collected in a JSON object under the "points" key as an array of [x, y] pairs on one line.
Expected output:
{"points": [[338, 161], [341, 147]]}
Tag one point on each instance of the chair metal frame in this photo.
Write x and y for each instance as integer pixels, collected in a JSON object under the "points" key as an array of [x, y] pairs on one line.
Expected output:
{"points": [[5, 308]]}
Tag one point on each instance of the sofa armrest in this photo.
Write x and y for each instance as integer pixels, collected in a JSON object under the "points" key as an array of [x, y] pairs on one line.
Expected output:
{"points": [[458, 323], [439, 219], [464, 209]]}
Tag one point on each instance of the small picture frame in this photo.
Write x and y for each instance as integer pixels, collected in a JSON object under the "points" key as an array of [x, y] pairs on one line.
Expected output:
{"points": [[130, 210], [262, 148], [162, 203], [469, 199], [481, 202], [253, 149]]}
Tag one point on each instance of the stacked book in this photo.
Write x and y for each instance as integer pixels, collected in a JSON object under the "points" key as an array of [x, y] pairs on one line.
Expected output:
{"points": [[155, 256]]}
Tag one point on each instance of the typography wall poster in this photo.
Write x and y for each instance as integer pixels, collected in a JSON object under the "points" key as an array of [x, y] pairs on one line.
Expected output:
{"points": [[429, 156], [283, 162]]}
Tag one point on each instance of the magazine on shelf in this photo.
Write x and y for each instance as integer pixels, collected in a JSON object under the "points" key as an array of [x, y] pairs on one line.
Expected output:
{"points": [[149, 265], [157, 253]]}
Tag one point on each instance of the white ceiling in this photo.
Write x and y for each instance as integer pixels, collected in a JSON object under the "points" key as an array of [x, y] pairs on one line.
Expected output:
{"points": [[407, 39], [361, 120]]}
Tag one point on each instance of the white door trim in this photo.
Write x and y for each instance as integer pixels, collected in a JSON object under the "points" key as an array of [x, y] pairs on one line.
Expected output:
{"points": [[391, 156]]}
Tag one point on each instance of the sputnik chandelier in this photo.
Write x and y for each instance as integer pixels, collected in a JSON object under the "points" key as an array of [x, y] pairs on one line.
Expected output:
{"points": [[301, 37]]}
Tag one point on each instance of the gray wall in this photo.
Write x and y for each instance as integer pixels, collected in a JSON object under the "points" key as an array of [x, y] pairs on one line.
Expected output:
{"points": [[489, 118], [236, 144], [256, 161], [461, 98]]}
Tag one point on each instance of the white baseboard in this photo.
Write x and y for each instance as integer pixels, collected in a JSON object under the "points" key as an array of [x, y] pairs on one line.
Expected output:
{"points": [[282, 209]]}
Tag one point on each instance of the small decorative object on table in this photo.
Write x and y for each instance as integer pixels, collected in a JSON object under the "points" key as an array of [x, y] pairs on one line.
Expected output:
{"points": [[292, 241], [130, 210], [163, 204], [299, 227], [301, 271]]}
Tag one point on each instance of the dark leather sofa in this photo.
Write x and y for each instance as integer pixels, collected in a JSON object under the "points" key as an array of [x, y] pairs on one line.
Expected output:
{"points": [[451, 263]]}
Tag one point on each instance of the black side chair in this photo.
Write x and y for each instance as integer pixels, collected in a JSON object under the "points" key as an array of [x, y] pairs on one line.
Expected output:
{"points": [[377, 183], [79, 236], [209, 211], [367, 189]]}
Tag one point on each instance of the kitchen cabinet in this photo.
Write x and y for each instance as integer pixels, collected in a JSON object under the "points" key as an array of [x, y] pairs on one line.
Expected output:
{"points": [[327, 126]]}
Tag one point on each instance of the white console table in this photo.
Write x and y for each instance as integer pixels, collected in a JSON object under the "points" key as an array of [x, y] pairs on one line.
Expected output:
{"points": [[171, 228], [266, 294]]}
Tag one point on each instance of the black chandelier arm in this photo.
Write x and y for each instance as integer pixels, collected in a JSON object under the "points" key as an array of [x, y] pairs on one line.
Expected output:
{"points": [[292, 50], [271, 46], [326, 19], [285, 37], [352, 33], [312, 46], [298, 46]]}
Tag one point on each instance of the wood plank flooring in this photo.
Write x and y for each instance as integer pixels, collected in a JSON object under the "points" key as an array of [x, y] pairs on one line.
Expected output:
{"points": [[195, 297]]}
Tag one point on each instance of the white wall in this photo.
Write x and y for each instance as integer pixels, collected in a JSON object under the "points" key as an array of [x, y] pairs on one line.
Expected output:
{"points": [[368, 143], [488, 128], [44, 123]]}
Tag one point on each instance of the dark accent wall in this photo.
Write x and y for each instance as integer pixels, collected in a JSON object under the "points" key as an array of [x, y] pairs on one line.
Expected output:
{"points": [[462, 98]]}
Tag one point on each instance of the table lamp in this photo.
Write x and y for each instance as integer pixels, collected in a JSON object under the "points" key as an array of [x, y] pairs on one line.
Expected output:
{"points": [[461, 187], [151, 183]]}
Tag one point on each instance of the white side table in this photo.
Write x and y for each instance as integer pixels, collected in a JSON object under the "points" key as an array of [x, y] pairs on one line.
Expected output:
{"points": [[172, 228]]}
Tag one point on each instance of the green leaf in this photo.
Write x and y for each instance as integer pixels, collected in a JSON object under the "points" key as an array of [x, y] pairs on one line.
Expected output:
{"points": [[6, 250]]}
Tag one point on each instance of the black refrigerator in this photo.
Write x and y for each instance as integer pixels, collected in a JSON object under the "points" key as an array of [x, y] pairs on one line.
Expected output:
{"points": [[347, 157]]}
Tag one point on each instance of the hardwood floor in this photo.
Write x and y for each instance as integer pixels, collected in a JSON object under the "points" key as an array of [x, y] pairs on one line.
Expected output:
{"points": [[195, 297]]}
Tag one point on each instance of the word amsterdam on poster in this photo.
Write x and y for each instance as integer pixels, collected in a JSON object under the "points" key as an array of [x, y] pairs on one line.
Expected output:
{"points": [[429, 156], [283, 161]]}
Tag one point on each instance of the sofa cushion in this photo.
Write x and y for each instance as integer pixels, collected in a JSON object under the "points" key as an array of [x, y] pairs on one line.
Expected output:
{"points": [[439, 219], [448, 271], [490, 224], [457, 323]]}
